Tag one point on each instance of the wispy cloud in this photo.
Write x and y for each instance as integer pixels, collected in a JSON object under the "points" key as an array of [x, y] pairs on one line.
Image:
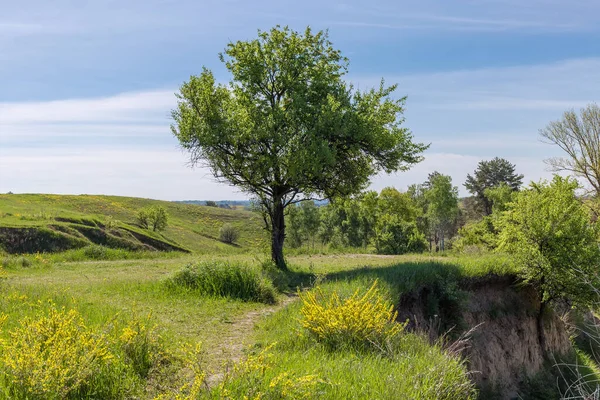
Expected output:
{"points": [[130, 107], [121, 144]]}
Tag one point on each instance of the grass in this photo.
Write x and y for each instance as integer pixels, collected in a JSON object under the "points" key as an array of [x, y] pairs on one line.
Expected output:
{"points": [[410, 367], [224, 279], [190, 226]]}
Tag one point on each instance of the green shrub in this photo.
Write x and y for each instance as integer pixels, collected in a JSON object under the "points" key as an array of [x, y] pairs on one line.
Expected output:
{"points": [[228, 234], [56, 356], [95, 252], [155, 218], [359, 321], [394, 236], [224, 279], [54, 353]]}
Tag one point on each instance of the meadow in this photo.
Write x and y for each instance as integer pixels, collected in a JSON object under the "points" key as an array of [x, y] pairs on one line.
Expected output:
{"points": [[219, 320]]}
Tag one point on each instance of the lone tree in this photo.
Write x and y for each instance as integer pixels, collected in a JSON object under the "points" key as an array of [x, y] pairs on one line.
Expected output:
{"points": [[288, 127], [579, 137], [488, 175], [549, 231]]}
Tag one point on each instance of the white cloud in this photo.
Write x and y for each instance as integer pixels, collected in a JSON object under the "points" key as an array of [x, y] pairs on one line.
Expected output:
{"points": [[122, 144], [159, 174], [555, 86], [128, 107]]}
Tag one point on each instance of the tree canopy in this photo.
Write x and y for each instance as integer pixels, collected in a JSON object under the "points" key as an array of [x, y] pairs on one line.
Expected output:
{"points": [[442, 199], [287, 126], [549, 231], [579, 138], [490, 174]]}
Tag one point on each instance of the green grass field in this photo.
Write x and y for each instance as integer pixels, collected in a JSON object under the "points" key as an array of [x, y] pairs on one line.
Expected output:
{"points": [[192, 227], [248, 345], [225, 327]]}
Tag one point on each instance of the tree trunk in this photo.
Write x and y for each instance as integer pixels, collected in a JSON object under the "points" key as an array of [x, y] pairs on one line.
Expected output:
{"points": [[277, 234], [540, 327]]}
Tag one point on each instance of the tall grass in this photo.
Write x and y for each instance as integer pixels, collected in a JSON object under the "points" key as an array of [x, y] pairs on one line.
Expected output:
{"points": [[224, 279]]}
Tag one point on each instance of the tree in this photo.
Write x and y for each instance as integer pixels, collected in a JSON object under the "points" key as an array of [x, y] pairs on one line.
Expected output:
{"points": [[443, 204], [288, 125], [155, 217], [396, 236], [549, 231], [310, 220], [579, 138], [490, 174], [228, 234]]}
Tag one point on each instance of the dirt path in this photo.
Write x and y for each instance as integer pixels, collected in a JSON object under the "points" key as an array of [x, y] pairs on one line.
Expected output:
{"points": [[231, 347]]}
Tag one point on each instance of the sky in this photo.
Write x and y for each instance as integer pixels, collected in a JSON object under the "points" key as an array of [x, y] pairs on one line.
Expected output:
{"points": [[86, 87]]}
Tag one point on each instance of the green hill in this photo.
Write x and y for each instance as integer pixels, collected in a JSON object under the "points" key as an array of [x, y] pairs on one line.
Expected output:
{"points": [[45, 222]]}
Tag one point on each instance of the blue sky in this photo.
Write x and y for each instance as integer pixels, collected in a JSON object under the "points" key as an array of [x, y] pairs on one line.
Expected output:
{"points": [[86, 87]]}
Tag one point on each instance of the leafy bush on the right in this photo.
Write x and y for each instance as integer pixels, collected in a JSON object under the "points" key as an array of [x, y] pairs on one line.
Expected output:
{"points": [[549, 231], [360, 321], [229, 234], [224, 279]]}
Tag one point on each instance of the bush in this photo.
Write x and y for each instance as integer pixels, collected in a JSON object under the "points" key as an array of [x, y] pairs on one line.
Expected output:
{"points": [[55, 355], [224, 279], [58, 357], [228, 234], [153, 217], [359, 321], [95, 252], [394, 236]]}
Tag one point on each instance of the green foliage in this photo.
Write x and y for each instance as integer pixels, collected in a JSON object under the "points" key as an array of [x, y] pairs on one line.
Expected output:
{"points": [[155, 218], [224, 279], [395, 236], [442, 200], [481, 234], [211, 203], [229, 234], [547, 228], [500, 196], [287, 124], [490, 174]]}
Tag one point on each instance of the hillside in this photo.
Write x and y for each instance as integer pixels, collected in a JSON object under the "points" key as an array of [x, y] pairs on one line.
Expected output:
{"points": [[30, 222]]}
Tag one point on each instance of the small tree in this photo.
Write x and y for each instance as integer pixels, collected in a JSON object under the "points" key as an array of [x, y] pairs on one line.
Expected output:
{"points": [[579, 138], [549, 231], [310, 220], [155, 218], [229, 234], [443, 205], [211, 203], [143, 218], [159, 218], [490, 174], [289, 125]]}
